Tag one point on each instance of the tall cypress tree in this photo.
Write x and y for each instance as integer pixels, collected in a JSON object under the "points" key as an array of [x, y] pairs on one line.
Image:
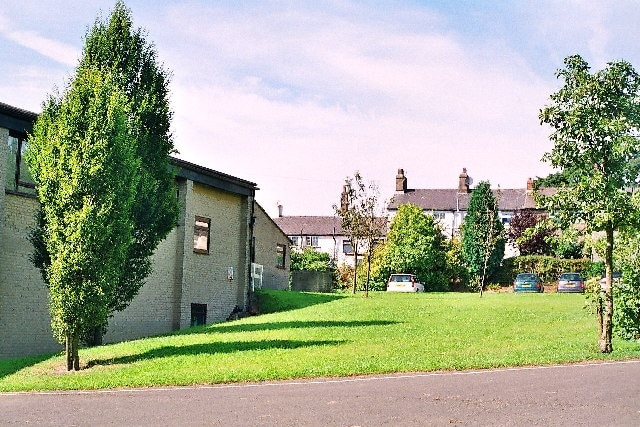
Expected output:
{"points": [[83, 162], [121, 51], [123, 56], [483, 239]]}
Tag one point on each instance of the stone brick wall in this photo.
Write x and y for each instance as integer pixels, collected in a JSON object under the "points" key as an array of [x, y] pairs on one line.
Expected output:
{"points": [[311, 281], [206, 276], [24, 314], [267, 236], [180, 277]]}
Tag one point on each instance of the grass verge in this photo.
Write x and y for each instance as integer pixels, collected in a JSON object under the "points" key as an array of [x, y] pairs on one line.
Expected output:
{"points": [[331, 335]]}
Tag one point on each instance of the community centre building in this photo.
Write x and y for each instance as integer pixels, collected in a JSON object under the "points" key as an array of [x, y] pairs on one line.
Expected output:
{"points": [[224, 246]]}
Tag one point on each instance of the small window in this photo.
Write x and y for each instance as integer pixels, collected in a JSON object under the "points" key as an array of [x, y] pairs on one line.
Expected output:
{"points": [[438, 215], [312, 241], [347, 247], [281, 252], [201, 235], [198, 314], [18, 177], [294, 240]]}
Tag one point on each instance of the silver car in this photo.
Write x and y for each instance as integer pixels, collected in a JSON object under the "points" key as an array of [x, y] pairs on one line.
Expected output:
{"points": [[571, 282], [404, 283]]}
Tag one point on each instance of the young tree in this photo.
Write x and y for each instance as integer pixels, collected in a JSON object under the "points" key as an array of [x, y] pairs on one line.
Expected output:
{"points": [[483, 239], [416, 245], [357, 212], [595, 120], [83, 161], [122, 53]]}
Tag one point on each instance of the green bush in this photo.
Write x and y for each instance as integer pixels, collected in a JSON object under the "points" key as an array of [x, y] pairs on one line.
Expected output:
{"points": [[311, 260], [595, 269]]}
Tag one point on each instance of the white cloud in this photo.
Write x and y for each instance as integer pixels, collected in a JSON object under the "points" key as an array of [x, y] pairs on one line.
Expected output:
{"points": [[50, 48]]}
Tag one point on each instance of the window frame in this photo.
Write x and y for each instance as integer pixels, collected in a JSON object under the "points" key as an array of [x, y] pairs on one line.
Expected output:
{"points": [[15, 183], [345, 243], [281, 255], [196, 235], [310, 240]]}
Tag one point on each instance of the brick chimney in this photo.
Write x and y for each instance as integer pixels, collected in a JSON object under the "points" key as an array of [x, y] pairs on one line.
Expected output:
{"points": [[463, 181], [529, 184], [401, 182], [344, 198]]}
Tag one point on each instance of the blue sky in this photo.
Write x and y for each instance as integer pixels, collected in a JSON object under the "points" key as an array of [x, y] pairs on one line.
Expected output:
{"points": [[296, 96]]}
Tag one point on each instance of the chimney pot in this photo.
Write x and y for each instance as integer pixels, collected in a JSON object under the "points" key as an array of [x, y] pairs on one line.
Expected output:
{"points": [[280, 210], [463, 182], [530, 184], [401, 182]]}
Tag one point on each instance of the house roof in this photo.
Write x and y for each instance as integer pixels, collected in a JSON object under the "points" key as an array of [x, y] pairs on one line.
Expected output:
{"points": [[316, 225], [213, 178], [16, 119], [310, 225], [453, 200]]}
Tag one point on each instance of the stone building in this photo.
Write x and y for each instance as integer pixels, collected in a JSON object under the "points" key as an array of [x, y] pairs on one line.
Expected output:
{"points": [[202, 271]]}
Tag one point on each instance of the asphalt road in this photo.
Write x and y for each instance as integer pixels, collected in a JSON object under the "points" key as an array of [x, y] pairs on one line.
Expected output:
{"points": [[598, 394]]}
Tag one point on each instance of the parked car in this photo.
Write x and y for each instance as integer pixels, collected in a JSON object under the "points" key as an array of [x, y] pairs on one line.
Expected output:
{"points": [[527, 282], [616, 279], [404, 283], [570, 282]]}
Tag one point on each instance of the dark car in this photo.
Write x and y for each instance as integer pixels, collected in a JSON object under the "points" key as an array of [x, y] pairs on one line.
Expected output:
{"points": [[571, 282], [527, 282]]}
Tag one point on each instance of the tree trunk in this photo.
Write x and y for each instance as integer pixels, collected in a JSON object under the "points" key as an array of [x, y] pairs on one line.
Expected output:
{"points": [[68, 352], [76, 357], [606, 319], [366, 285], [355, 266]]}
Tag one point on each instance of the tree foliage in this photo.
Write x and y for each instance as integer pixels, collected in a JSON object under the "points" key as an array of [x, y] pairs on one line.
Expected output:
{"points": [[595, 120], [530, 233], [626, 314], [555, 179], [483, 239], [123, 52], [127, 63], [359, 219], [311, 260], [415, 244], [82, 159]]}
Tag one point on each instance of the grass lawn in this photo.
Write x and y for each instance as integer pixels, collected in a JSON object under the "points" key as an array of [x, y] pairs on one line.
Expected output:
{"points": [[312, 335]]}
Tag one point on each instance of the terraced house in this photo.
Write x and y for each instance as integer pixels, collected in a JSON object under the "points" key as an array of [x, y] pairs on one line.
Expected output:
{"points": [[223, 246], [449, 205]]}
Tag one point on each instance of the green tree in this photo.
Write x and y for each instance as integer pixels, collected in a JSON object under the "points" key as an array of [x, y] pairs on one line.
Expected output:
{"points": [[415, 244], [483, 238], [123, 53], [82, 159], [118, 49], [595, 120], [357, 212]]}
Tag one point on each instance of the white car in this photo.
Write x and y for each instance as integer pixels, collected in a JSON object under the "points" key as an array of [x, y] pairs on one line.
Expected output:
{"points": [[404, 283]]}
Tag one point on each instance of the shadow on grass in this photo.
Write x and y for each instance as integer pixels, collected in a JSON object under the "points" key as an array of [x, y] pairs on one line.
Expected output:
{"points": [[11, 366], [210, 348], [218, 328], [271, 301]]}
